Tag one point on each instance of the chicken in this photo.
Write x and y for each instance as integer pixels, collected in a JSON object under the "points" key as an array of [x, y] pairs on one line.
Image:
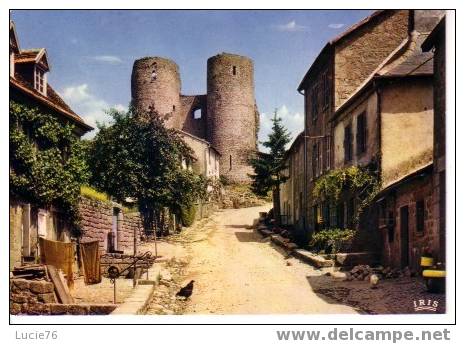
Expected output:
{"points": [[186, 291]]}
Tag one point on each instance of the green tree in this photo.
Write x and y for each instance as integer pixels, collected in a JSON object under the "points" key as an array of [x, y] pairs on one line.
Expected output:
{"points": [[137, 156], [47, 161], [268, 166]]}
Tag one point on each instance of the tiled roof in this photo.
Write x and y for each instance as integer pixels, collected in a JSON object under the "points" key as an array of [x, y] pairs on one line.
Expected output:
{"points": [[52, 100], [28, 55], [415, 65]]}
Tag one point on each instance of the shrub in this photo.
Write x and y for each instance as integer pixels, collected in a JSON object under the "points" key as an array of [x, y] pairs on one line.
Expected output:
{"points": [[188, 215], [332, 240], [87, 191]]}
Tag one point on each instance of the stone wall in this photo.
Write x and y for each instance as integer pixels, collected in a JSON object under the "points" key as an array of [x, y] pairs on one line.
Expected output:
{"points": [[28, 296], [231, 113], [97, 223], [155, 82], [194, 126], [358, 55], [407, 195], [439, 153], [16, 213]]}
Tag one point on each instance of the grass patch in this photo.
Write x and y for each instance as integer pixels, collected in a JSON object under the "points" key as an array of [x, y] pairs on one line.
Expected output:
{"points": [[88, 192]]}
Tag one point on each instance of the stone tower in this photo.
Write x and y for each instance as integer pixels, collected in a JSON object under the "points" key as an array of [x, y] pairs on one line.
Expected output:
{"points": [[228, 115], [155, 82], [231, 119]]}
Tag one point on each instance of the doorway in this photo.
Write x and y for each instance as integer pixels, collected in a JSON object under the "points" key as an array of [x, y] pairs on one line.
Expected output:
{"points": [[404, 237]]}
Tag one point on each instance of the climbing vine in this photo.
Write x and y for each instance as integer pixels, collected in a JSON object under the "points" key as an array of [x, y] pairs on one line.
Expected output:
{"points": [[360, 182], [47, 164]]}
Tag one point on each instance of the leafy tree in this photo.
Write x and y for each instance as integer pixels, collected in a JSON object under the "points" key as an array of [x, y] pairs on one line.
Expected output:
{"points": [[47, 161], [137, 156], [268, 166]]}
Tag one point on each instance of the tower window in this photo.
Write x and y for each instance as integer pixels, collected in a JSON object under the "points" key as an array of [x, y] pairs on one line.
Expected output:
{"points": [[234, 70], [154, 75], [198, 114], [230, 162], [174, 107]]}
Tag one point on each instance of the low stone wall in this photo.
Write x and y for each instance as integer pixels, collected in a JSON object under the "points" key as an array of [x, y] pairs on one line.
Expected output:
{"points": [[37, 297], [97, 223], [122, 261], [60, 309], [27, 295]]}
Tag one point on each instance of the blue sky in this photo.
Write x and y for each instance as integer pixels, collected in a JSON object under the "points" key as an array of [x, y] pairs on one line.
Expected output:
{"points": [[91, 52]]}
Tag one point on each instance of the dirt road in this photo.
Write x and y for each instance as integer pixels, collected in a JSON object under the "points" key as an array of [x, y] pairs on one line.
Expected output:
{"points": [[237, 272]]}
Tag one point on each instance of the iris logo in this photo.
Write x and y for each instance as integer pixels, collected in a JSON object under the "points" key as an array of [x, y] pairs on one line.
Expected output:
{"points": [[425, 305]]}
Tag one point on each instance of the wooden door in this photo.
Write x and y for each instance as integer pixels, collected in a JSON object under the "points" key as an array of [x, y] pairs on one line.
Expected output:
{"points": [[404, 236]]}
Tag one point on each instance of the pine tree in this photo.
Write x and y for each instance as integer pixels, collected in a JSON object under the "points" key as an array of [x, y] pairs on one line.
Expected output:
{"points": [[268, 166]]}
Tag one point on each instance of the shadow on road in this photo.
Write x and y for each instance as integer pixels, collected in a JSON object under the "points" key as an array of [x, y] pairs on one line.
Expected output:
{"points": [[332, 294], [248, 237], [240, 226]]}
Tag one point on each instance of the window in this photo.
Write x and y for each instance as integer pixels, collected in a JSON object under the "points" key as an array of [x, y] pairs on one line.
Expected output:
{"points": [[350, 212], [174, 107], [348, 143], [315, 160], [153, 76], [361, 133], [230, 162], [420, 212], [328, 152], [234, 70], [198, 114], [326, 215], [39, 80], [340, 215]]}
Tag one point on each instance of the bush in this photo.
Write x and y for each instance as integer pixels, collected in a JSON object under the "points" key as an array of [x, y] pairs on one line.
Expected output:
{"points": [[188, 215], [332, 240], [87, 191]]}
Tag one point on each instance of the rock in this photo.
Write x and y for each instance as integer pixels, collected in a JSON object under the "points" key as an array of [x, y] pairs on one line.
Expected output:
{"points": [[366, 278], [41, 287], [21, 284], [18, 298], [46, 298], [360, 277], [374, 280]]}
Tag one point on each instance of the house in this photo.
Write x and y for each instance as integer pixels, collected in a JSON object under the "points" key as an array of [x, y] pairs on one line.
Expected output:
{"points": [[437, 41], [338, 71], [207, 158], [28, 85], [388, 123], [291, 191]]}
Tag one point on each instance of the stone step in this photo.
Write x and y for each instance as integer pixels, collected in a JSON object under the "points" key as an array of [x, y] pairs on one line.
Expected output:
{"points": [[312, 258]]}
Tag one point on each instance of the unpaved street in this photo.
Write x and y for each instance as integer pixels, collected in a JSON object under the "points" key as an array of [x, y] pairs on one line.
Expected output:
{"points": [[237, 272]]}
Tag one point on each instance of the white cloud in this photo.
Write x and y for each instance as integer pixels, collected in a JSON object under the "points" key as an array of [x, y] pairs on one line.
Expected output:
{"points": [[111, 59], [293, 121], [335, 26], [88, 106], [292, 26]]}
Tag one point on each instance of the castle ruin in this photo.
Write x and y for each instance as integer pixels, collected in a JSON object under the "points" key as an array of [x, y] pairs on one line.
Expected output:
{"points": [[226, 117]]}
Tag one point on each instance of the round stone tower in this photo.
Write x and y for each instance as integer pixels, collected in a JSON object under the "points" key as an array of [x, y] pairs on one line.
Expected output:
{"points": [[155, 82], [231, 121]]}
